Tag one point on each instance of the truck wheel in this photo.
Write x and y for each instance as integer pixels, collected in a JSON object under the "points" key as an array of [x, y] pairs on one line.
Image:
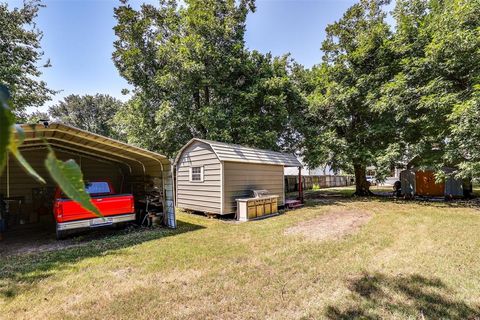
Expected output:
{"points": [[120, 225], [139, 216], [61, 234]]}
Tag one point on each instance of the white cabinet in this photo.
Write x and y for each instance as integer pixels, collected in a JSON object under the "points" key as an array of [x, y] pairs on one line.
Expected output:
{"points": [[251, 208]]}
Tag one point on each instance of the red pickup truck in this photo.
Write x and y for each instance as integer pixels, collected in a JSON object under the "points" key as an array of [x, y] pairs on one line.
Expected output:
{"points": [[115, 208]]}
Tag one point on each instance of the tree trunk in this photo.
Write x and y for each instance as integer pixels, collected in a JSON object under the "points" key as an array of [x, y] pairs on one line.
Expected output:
{"points": [[207, 95], [362, 187], [196, 98]]}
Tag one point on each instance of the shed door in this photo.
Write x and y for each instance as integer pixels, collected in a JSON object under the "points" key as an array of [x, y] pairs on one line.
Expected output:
{"points": [[426, 186]]}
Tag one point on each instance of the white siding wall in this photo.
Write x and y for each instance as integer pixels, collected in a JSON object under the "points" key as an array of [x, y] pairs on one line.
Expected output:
{"points": [[199, 196], [241, 177]]}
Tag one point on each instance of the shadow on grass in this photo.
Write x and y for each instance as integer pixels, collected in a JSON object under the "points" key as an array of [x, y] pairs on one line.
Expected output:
{"points": [[412, 296], [20, 272], [341, 196]]}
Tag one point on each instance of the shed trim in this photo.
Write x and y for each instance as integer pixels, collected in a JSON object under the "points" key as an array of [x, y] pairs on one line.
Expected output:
{"points": [[222, 186]]}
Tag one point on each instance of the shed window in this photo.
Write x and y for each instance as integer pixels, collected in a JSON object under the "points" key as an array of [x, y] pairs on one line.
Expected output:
{"points": [[196, 174]]}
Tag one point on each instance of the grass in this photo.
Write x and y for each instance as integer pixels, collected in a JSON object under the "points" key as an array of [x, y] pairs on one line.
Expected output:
{"points": [[411, 260]]}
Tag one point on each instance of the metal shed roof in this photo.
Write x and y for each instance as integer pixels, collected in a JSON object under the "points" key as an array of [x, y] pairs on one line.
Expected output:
{"points": [[75, 140], [238, 153]]}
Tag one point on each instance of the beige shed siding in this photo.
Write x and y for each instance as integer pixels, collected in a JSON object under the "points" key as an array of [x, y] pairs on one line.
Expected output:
{"points": [[240, 177], [201, 196]]}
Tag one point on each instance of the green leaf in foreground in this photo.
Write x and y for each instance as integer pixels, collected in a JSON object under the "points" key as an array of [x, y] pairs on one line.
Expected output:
{"points": [[14, 150], [69, 177], [6, 123], [7, 136]]}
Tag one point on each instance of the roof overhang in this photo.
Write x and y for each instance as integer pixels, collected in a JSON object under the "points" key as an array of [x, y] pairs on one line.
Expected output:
{"points": [[75, 140], [237, 153]]}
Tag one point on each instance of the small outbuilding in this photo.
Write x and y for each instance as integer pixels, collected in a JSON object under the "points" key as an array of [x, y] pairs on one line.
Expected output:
{"points": [[130, 170], [419, 179], [211, 175], [416, 182]]}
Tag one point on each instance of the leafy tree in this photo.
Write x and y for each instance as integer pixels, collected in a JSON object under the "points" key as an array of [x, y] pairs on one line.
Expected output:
{"points": [[345, 128], [435, 89], [193, 77], [20, 54], [454, 89], [91, 113], [36, 116], [463, 148]]}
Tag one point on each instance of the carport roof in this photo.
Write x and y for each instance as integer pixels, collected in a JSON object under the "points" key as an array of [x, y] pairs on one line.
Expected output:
{"points": [[71, 139]]}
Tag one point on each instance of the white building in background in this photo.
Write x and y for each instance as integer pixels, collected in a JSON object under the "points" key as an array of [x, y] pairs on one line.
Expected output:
{"points": [[328, 171], [306, 171]]}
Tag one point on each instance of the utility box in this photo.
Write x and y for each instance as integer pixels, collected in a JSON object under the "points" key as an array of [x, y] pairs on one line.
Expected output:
{"points": [[260, 205]]}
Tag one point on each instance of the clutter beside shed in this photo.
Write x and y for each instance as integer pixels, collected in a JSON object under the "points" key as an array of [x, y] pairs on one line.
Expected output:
{"points": [[130, 169], [211, 176]]}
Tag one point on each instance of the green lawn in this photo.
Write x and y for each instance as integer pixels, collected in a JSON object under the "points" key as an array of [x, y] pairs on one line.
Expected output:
{"points": [[410, 260]]}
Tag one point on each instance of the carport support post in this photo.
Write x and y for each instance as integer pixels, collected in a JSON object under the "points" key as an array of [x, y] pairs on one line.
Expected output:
{"points": [[8, 174], [300, 185], [2, 217]]}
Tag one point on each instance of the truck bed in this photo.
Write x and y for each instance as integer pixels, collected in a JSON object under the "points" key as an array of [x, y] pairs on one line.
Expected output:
{"points": [[109, 205]]}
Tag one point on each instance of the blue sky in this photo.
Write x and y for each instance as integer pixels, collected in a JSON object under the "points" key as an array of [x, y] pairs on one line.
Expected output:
{"points": [[78, 38]]}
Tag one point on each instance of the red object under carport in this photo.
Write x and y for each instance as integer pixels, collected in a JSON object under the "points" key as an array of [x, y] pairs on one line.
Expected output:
{"points": [[128, 166]]}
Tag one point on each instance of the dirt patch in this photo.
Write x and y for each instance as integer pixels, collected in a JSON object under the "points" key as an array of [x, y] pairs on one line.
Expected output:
{"points": [[9, 248], [333, 225]]}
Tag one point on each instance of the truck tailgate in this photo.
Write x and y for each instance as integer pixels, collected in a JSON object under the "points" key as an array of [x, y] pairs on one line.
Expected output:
{"points": [[68, 210]]}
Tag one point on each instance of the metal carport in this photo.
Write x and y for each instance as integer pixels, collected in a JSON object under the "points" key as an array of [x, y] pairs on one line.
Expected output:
{"points": [[96, 155]]}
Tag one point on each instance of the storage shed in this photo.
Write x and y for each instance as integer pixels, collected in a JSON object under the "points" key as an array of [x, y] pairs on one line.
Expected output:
{"points": [[211, 175], [416, 182], [130, 169]]}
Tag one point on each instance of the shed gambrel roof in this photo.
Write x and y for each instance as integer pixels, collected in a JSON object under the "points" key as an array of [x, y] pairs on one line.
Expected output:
{"points": [[238, 153]]}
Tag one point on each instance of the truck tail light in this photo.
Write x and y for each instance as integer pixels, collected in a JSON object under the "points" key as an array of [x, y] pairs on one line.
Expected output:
{"points": [[58, 210]]}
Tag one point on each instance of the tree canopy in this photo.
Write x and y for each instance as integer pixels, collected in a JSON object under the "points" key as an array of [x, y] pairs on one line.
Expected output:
{"points": [[344, 128], [382, 97], [193, 77], [20, 56], [453, 90], [92, 113], [435, 89]]}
